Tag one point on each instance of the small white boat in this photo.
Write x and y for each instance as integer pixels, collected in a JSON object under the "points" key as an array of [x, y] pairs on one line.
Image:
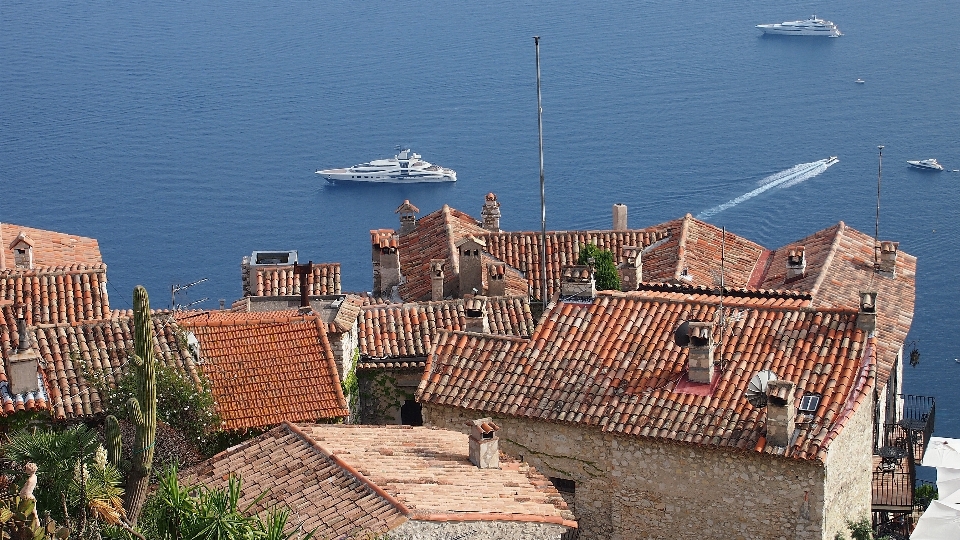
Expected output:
{"points": [[926, 164], [809, 27], [859, 81]]}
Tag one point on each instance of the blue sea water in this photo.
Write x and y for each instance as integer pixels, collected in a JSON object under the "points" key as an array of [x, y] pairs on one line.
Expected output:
{"points": [[184, 135]]}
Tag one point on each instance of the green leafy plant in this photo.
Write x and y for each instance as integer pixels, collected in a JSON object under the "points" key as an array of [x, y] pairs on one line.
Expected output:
{"points": [[860, 529], [604, 267]]}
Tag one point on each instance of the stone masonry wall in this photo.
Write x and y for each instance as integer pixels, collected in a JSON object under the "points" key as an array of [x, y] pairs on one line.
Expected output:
{"points": [[850, 473], [636, 488], [488, 530]]}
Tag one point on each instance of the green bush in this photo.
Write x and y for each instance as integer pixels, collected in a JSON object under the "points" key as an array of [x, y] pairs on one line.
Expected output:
{"points": [[604, 267]]}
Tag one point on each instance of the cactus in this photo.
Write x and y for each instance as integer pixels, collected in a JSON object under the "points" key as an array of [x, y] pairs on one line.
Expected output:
{"points": [[142, 408], [114, 444]]}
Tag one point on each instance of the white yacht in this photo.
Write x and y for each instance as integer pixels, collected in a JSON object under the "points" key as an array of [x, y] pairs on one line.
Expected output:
{"points": [[810, 27], [926, 164], [407, 167]]}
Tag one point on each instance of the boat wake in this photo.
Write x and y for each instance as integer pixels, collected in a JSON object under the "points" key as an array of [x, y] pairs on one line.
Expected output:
{"points": [[783, 179]]}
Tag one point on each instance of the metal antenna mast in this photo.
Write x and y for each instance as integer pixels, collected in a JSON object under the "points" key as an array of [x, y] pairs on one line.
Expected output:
{"points": [[876, 231], [543, 204]]}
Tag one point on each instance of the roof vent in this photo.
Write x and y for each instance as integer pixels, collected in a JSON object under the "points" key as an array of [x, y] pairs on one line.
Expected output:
{"points": [[756, 392]]}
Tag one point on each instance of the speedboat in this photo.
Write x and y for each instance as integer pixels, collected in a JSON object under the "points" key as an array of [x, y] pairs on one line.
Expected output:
{"points": [[809, 27], [926, 164], [859, 81], [407, 167]]}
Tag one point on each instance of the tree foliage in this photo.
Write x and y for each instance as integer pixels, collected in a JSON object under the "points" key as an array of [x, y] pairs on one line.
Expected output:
{"points": [[604, 267]]}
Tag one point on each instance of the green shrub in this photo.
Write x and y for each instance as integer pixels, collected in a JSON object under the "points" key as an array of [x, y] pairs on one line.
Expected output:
{"points": [[604, 267]]}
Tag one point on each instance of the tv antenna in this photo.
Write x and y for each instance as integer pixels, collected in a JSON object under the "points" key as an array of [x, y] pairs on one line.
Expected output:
{"points": [[876, 231], [543, 205], [176, 289]]}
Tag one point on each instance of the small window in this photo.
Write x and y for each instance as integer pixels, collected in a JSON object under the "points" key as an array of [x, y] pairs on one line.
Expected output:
{"points": [[809, 403], [563, 485]]}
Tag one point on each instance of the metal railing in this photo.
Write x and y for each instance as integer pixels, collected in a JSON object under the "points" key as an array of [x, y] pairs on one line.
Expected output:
{"points": [[919, 414], [895, 473]]}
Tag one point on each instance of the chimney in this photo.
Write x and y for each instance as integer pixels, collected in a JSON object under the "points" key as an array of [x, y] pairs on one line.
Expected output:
{"points": [[496, 286], [867, 316], [888, 258], [305, 274], [408, 217], [471, 269], [484, 444], [23, 363], [796, 264], [619, 217], [22, 248], [578, 283], [250, 269], [475, 309], [385, 255], [436, 279], [631, 269], [700, 352], [491, 213], [780, 412]]}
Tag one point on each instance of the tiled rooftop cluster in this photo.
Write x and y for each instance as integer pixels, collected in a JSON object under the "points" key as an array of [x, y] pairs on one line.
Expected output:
{"points": [[272, 280], [613, 364], [54, 295], [50, 248], [408, 330], [267, 367], [369, 479]]}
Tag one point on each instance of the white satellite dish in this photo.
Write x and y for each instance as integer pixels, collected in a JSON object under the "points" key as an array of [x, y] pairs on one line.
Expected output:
{"points": [[757, 388]]}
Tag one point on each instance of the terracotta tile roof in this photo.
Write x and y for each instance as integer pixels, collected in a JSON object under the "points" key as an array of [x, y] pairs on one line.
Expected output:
{"points": [[54, 295], [429, 475], [103, 346], [299, 476], [613, 364], [839, 264], [50, 248], [407, 330], [433, 238], [273, 280], [267, 367]]}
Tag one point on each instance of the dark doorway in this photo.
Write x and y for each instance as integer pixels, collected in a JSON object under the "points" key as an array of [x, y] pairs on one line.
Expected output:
{"points": [[411, 414]]}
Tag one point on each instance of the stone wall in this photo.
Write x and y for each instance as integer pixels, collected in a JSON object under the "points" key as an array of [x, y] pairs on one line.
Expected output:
{"points": [[488, 530], [633, 488], [850, 473], [383, 391]]}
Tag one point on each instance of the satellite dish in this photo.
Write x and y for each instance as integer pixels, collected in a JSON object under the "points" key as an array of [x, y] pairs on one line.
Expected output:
{"points": [[757, 388], [681, 336]]}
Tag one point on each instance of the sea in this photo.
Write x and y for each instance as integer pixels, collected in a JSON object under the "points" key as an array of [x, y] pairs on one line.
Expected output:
{"points": [[184, 135]]}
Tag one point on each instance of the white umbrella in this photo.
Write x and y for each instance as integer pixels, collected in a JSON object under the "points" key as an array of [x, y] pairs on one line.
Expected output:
{"points": [[942, 452], [948, 482], [939, 522]]}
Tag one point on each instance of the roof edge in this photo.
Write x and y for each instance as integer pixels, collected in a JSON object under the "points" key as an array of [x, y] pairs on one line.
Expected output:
{"points": [[841, 228], [487, 516]]}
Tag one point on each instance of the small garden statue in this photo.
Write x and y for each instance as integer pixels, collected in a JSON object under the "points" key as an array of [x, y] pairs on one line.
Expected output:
{"points": [[27, 491]]}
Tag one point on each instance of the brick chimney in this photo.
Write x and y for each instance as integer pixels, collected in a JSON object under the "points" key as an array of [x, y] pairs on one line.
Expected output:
{"points": [[578, 283], [780, 412], [496, 272], [867, 316], [385, 256], [491, 213], [888, 258], [700, 352], [796, 263], [436, 279], [619, 217], [484, 445], [408, 217], [631, 269], [23, 362], [475, 310], [471, 269]]}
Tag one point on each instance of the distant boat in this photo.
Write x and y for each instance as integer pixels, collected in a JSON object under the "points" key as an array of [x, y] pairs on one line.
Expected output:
{"points": [[406, 167], [926, 164], [859, 81], [809, 27]]}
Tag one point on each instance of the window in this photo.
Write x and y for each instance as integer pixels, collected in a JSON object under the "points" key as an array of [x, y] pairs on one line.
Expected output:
{"points": [[809, 403]]}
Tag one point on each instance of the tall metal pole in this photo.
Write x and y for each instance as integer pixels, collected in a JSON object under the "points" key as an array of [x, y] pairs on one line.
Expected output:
{"points": [[543, 203], [876, 231]]}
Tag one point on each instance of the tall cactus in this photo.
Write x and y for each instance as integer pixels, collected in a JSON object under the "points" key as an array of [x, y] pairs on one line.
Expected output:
{"points": [[113, 442], [143, 407]]}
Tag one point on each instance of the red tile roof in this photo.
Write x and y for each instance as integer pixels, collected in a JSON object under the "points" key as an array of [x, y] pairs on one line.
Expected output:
{"points": [[407, 330], [267, 367], [612, 364], [281, 281], [50, 248], [839, 264], [53, 295]]}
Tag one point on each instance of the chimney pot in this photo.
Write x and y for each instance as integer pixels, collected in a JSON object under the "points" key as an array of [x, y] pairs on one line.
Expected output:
{"points": [[796, 263], [700, 352], [619, 217], [781, 412], [408, 217], [631, 269], [496, 272], [578, 283], [23, 363], [888, 258], [471, 266], [867, 316], [475, 315], [436, 279], [491, 213], [484, 445]]}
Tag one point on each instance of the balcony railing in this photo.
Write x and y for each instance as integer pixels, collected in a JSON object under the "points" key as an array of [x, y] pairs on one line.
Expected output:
{"points": [[893, 469], [918, 420]]}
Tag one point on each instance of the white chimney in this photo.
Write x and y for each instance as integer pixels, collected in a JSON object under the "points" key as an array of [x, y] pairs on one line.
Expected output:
{"points": [[484, 445], [700, 352], [619, 217]]}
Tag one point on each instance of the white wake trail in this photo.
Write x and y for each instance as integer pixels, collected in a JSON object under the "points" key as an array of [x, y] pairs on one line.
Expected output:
{"points": [[790, 177]]}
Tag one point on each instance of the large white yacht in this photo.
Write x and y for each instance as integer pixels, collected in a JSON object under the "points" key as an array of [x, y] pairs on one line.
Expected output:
{"points": [[407, 167], [926, 164], [810, 27]]}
